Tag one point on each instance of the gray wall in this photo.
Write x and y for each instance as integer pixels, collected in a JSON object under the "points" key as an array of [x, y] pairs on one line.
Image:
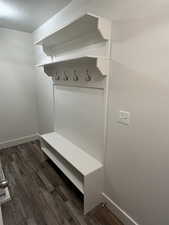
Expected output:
{"points": [[17, 86], [137, 157]]}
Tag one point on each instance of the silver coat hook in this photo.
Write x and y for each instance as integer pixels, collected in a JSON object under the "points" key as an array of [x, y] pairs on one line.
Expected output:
{"points": [[88, 77], [75, 77], [65, 78], [57, 77]]}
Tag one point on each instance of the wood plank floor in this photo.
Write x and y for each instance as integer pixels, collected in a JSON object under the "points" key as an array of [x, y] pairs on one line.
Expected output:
{"points": [[41, 195]]}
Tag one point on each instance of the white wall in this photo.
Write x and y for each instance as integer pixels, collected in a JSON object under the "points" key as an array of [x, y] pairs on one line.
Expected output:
{"points": [[17, 86], [137, 158], [44, 102]]}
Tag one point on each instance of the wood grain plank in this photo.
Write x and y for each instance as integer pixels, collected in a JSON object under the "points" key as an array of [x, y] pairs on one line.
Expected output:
{"points": [[41, 195]]}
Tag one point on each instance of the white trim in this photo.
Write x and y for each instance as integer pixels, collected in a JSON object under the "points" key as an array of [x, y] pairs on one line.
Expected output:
{"points": [[120, 213], [17, 141]]}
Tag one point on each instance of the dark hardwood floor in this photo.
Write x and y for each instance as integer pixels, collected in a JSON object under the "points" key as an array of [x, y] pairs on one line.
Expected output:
{"points": [[40, 193]]}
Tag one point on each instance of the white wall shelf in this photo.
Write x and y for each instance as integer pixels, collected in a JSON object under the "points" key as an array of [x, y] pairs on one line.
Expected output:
{"points": [[84, 171], [102, 63], [88, 25]]}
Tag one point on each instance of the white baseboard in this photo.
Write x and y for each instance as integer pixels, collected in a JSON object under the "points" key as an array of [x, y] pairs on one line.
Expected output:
{"points": [[18, 141], [116, 210]]}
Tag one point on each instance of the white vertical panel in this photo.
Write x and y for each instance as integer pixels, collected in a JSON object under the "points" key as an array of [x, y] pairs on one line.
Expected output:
{"points": [[1, 220], [93, 188], [79, 116]]}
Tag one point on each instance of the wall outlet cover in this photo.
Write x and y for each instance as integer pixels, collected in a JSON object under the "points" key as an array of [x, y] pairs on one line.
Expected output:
{"points": [[124, 117]]}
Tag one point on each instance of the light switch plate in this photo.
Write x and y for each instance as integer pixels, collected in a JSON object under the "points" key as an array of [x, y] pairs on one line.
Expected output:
{"points": [[124, 117]]}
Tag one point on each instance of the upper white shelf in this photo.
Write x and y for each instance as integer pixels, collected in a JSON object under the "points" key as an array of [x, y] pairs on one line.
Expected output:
{"points": [[90, 25], [78, 158]]}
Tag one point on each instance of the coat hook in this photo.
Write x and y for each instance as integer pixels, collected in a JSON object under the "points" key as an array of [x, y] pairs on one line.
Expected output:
{"points": [[88, 77], [57, 77], [75, 77], [65, 77]]}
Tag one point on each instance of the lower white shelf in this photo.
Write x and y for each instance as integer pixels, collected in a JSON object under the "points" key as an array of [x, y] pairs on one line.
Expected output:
{"points": [[85, 172], [102, 63], [65, 167]]}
